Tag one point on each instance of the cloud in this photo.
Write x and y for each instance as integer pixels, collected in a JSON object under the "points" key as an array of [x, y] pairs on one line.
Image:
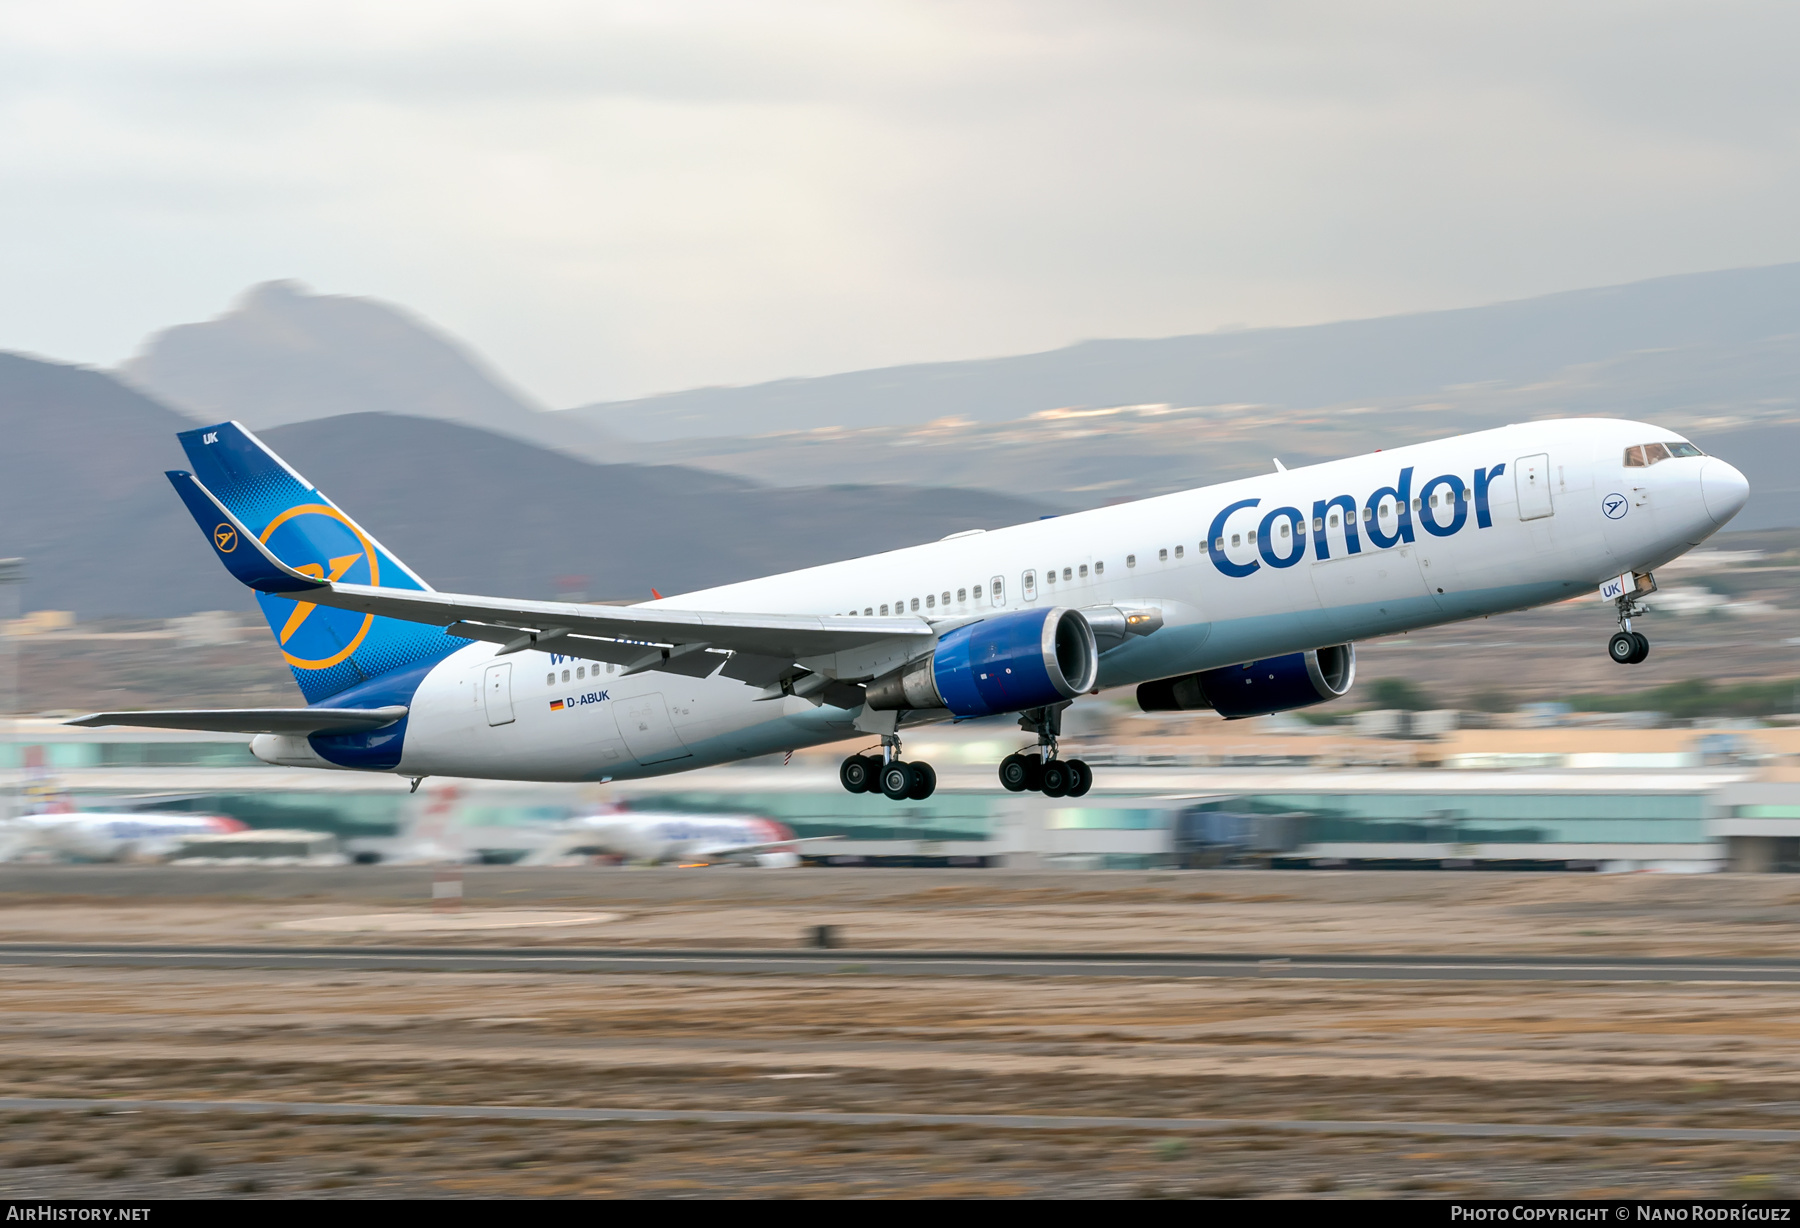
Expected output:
{"points": [[608, 199]]}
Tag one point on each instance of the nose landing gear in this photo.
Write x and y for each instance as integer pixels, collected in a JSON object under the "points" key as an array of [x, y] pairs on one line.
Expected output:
{"points": [[1041, 771], [1628, 647], [887, 773]]}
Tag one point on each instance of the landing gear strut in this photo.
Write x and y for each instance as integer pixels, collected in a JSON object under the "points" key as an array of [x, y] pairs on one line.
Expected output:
{"points": [[1041, 771], [888, 773], [1628, 647]]}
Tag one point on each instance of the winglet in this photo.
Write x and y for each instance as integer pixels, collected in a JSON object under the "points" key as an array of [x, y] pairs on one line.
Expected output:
{"points": [[244, 557]]}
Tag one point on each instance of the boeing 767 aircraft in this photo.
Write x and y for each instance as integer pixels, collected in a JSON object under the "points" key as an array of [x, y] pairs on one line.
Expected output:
{"points": [[1244, 598]]}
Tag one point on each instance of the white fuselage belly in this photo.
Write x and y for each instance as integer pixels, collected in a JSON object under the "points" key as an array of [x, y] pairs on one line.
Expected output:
{"points": [[1150, 552]]}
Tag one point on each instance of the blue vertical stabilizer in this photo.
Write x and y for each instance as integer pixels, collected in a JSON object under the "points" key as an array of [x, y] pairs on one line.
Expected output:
{"points": [[329, 650]]}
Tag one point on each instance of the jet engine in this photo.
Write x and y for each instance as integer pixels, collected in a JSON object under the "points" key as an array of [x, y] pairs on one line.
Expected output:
{"points": [[1257, 688], [1008, 663]]}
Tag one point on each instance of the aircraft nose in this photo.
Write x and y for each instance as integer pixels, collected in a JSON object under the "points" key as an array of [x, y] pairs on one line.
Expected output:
{"points": [[1724, 489]]}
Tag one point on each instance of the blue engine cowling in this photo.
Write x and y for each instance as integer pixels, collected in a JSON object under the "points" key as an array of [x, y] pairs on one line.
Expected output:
{"points": [[1257, 688], [1008, 663]]}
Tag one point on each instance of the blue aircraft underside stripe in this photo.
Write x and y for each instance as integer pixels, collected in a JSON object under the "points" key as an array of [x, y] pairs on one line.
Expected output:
{"points": [[1202, 646], [376, 750]]}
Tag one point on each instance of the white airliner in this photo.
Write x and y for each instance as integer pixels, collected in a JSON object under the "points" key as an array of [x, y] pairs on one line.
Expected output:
{"points": [[91, 836], [685, 839], [1244, 598]]}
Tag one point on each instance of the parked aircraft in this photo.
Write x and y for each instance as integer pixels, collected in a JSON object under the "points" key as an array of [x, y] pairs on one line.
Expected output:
{"points": [[1243, 598], [685, 839], [93, 836]]}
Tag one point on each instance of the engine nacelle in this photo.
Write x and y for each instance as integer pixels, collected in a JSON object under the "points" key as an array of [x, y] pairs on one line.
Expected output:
{"points": [[1257, 688], [1008, 663]]}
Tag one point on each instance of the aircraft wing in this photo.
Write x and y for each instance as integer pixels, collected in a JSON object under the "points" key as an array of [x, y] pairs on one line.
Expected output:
{"points": [[256, 720], [759, 649]]}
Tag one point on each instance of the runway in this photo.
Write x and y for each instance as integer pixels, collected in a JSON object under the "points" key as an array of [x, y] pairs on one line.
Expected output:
{"points": [[1154, 965], [994, 1121]]}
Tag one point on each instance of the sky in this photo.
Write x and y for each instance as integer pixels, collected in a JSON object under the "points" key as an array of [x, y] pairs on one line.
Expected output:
{"points": [[611, 199]]}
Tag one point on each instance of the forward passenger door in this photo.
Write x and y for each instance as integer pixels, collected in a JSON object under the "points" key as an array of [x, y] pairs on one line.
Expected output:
{"points": [[1531, 476]]}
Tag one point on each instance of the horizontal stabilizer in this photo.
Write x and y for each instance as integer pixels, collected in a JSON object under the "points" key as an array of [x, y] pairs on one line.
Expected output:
{"points": [[246, 558], [299, 721]]}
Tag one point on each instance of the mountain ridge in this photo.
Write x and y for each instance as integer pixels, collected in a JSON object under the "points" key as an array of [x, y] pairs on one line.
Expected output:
{"points": [[1413, 354], [84, 501]]}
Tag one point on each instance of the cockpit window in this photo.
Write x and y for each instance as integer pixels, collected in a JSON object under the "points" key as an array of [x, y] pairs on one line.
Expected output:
{"points": [[1649, 453]]}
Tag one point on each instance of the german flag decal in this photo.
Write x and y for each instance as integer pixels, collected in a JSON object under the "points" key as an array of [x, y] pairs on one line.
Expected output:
{"points": [[556, 705]]}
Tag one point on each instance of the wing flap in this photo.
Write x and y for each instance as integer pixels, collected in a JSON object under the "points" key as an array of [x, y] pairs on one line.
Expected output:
{"points": [[299, 721], [776, 635]]}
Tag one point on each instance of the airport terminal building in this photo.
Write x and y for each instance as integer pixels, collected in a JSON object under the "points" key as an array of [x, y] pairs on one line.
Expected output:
{"points": [[1696, 800]]}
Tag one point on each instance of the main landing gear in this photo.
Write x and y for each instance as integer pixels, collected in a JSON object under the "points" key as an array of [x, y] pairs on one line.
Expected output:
{"points": [[1628, 647], [1041, 771], [888, 773]]}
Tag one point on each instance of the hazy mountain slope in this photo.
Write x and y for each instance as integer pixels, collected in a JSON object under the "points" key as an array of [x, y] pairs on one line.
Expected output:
{"points": [[83, 499], [1706, 342], [283, 354]]}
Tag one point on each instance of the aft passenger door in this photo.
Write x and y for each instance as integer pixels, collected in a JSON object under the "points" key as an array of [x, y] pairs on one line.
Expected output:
{"points": [[1531, 475], [497, 686]]}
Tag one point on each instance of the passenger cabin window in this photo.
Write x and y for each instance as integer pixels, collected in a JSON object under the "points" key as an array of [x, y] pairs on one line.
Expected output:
{"points": [[1179, 551], [1049, 575], [1234, 539], [1099, 570], [1319, 524], [581, 671], [1162, 556], [962, 594], [565, 675], [1131, 559], [1066, 575], [946, 597], [1083, 571], [551, 680], [884, 611], [931, 601], [868, 610], [915, 605]]}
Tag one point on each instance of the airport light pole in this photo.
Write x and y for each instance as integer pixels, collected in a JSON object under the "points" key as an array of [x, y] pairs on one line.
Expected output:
{"points": [[12, 575]]}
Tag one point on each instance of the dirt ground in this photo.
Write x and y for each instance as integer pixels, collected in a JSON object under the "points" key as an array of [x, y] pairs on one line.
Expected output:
{"points": [[1689, 1054], [1300, 912]]}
